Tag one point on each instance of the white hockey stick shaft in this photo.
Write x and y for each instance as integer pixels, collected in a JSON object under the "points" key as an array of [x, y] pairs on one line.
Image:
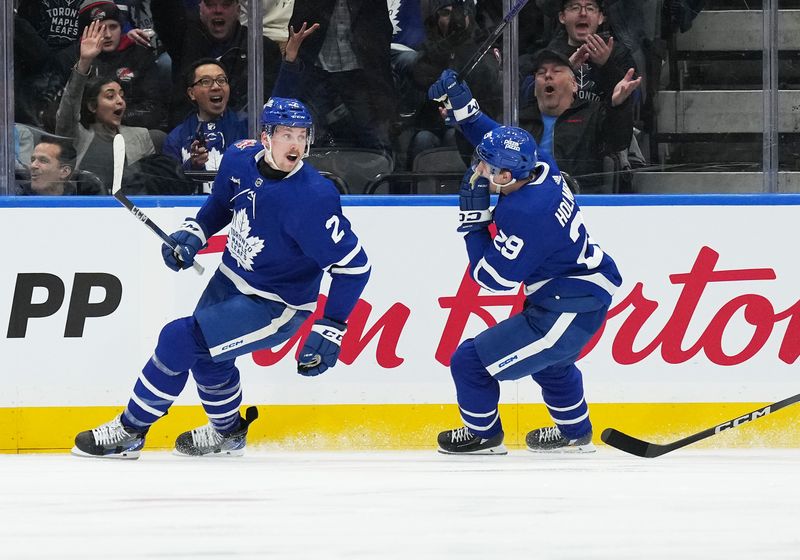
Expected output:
{"points": [[119, 163]]}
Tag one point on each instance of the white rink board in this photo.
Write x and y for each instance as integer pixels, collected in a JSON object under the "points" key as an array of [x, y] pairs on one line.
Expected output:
{"points": [[417, 259]]}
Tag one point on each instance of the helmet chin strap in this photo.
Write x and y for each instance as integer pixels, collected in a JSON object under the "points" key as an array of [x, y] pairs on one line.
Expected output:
{"points": [[497, 186], [268, 153]]}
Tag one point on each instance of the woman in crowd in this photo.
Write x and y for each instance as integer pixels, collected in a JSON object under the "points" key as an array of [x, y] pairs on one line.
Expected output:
{"points": [[91, 112]]}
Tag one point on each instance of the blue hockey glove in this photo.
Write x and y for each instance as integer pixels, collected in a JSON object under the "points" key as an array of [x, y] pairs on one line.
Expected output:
{"points": [[456, 96], [473, 202], [322, 347], [188, 240]]}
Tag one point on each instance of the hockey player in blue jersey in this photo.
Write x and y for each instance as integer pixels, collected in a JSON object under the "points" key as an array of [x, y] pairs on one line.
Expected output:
{"points": [[286, 228], [541, 242]]}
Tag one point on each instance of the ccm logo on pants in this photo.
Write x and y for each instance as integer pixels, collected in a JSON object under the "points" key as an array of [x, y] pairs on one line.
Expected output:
{"points": [[23, 307]]}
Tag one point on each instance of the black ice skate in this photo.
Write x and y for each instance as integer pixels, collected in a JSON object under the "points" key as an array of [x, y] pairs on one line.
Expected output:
{"points": [[550, 440], [206, 441], [463, 442], [110, 441]]}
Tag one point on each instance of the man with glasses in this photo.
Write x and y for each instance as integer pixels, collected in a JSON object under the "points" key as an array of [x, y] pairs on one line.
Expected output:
{"points": [[600, 61], [202, 138], [213, 30]]}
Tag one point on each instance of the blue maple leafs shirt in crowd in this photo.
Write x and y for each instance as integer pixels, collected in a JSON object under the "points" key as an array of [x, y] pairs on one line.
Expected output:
{"points": [[218, 135], [284, 233]]}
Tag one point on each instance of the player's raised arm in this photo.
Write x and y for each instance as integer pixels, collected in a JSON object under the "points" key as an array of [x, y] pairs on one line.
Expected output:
{"points": [[540, 243]]}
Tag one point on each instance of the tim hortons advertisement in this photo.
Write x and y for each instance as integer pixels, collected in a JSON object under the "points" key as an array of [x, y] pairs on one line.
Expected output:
{"points": [[709, 309]]}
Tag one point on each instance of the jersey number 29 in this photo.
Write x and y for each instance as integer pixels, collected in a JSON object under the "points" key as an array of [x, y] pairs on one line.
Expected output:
{"points": [[591, 254]]}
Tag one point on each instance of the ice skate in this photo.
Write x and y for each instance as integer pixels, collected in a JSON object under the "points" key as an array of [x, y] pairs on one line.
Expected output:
{"points": [[206, 441], [109, 441], [550, 440], [463, 442]]}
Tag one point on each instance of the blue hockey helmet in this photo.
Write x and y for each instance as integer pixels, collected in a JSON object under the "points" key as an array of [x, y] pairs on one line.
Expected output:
{"points": [[509, 147], [283, 111]]}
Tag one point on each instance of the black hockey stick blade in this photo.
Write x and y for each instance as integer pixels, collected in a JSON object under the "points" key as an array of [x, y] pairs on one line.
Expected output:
{"points": [[250, 416], [467, 69], [151, 225], [641, 448], [629, 444]]}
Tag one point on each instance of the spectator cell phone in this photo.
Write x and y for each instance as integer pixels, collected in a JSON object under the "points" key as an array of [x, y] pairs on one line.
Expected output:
{"points": [[199, 136]]}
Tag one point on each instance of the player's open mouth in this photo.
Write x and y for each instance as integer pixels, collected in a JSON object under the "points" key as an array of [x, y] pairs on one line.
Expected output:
{"points": [[292, 157]]}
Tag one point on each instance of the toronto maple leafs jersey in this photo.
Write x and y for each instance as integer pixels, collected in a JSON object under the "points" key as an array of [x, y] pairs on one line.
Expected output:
{"points": [[284, 233], [542, 242], [218, 134]]}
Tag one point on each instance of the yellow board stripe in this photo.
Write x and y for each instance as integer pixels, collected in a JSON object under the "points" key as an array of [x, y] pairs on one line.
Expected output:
{"points": [[401, 426]]}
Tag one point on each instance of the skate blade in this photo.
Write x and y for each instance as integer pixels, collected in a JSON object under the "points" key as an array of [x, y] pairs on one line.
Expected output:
{"points": [[217, 455], [130, 455], [572, 450], [498, 450]]}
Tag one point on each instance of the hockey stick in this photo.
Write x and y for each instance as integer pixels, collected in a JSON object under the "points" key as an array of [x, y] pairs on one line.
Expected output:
{"points": [[641, 448], [487, 44], [119, 162]]}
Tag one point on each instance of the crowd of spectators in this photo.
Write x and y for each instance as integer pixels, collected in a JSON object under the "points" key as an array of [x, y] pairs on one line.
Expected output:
{"points": [[171, 77]]}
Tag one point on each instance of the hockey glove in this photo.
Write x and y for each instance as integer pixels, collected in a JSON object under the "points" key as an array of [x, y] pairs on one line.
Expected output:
{"points": [[322, 347], [473, 202], [456, 96], [188, 240]]}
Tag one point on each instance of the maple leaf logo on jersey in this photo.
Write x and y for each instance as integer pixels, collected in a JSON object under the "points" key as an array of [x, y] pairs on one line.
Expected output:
{"points": [[394, 9], [241, 246]]}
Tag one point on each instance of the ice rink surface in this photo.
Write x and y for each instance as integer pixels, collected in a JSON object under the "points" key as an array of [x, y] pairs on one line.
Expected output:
{"points": [[692, 503]]}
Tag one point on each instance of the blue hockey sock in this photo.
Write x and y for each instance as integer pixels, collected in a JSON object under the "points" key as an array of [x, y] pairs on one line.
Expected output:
{"points": [[220, 393], [165, 374], [562, 391], [477, 392]]}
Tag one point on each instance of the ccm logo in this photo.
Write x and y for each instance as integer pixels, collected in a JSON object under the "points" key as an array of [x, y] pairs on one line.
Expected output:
{"points": [[742, 419], [232, 345], [507, 361], [469, 216], [335, 336]]}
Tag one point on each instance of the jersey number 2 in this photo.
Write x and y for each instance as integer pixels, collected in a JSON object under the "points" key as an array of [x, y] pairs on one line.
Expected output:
{"points": [[333, 225]]}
